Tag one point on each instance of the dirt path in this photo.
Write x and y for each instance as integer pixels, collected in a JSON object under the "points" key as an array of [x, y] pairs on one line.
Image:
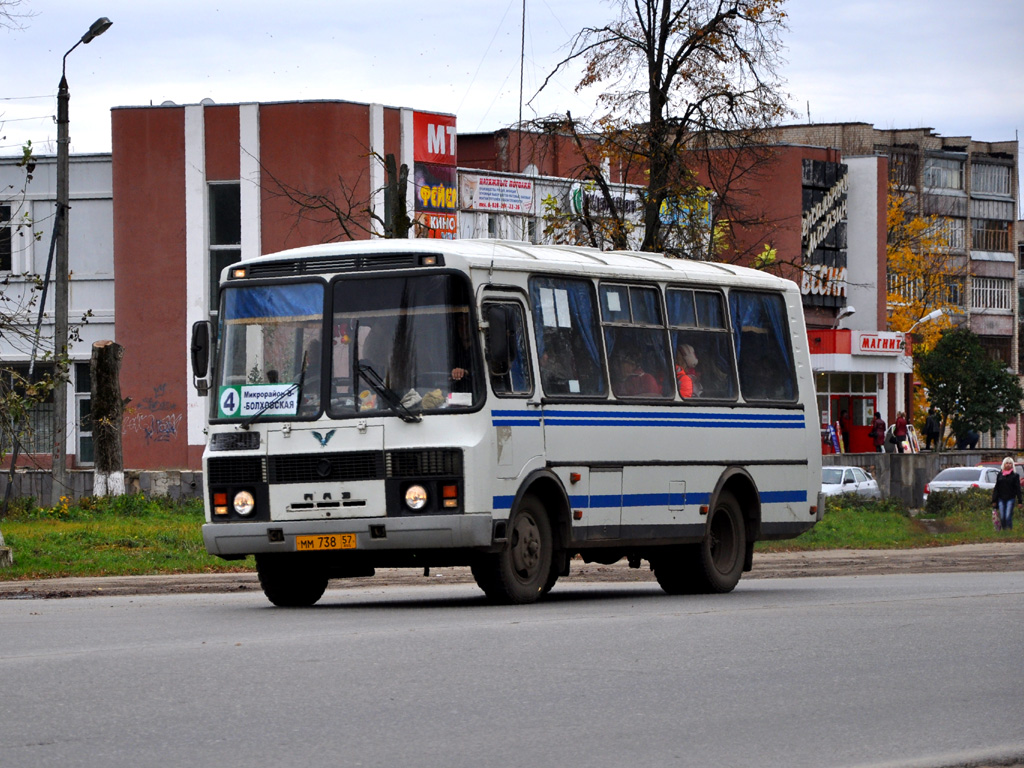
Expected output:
{"points": [[994, 557]]}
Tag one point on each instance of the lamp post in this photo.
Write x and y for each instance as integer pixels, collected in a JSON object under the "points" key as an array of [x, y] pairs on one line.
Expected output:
{"points": [[935, 314], [60, 299], [844, 313]]}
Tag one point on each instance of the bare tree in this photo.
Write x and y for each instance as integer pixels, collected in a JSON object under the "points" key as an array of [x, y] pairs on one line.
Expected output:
{"points": [[345, 211], [681, 77], [11, 14]]}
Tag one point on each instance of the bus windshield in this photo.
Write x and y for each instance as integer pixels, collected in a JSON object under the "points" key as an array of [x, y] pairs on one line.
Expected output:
{"points": [[403, 340], [401, 345], [271, 351]]}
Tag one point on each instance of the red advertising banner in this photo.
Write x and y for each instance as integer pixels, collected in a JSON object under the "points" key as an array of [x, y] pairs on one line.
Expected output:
{"points": [[443, 226], [433, 138]]}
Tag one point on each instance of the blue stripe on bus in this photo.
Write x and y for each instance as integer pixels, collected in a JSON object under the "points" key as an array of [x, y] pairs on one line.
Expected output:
{"points": [[659, 419], [632, 500]]}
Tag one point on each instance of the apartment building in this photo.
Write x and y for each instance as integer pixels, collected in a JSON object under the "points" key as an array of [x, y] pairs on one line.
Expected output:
{"points": [[972, 186]]}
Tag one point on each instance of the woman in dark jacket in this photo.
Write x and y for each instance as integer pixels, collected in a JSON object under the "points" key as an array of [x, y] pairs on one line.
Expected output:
{"points": [[878, 433], [1006, 492]]}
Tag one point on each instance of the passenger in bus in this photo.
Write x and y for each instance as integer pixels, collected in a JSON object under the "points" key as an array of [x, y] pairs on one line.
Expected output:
{"points": [[461, 354], [687, 377], [630, 379]]}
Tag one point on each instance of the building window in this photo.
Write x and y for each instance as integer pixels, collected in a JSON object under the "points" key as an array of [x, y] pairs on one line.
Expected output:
{"points": [[35, 434], [943, 173], [5, 238], [991, 293], [990, 179], [955, 291], [83, 412], [954, 231], [225, 231], [903, 167], [990, 235], [997, 348]]}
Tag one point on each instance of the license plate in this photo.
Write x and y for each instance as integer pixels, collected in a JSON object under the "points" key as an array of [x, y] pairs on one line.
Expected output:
{"points": [[328, 541]]}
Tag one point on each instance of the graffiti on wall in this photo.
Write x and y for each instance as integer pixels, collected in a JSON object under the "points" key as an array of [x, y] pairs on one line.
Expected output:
{"points": [[155, 418]]}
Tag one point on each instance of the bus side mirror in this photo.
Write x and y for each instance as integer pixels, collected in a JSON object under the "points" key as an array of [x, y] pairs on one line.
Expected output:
{"points": [[498, 320], [201, 338]]}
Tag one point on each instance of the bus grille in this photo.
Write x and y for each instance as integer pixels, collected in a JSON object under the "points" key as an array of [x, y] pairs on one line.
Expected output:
{"points": [[235, 441], [235, 469], [358, 465], [424, 463]]}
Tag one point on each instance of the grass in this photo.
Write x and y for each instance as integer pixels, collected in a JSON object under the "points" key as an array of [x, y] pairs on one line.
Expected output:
{"points": [[121, 536], [134, 535], [949, 518]]}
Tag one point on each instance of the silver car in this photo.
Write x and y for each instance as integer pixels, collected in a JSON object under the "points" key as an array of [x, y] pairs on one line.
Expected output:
{"points": [[960, 479], [836, 480]]}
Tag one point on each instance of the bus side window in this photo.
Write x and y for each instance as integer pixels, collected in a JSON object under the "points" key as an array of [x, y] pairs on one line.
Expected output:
{"points": [[511, 376], [761, 335], [568, 336], [705, 367]]}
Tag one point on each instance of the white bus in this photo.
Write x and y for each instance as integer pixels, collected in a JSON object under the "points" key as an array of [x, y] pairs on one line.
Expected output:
{"points": [[418, 403]]}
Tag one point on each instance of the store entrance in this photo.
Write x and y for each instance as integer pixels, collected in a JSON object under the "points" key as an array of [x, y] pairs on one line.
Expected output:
{"points": [[860, 410]]}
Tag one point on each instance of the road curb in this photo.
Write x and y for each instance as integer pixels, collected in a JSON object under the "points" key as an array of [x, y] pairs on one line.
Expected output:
{"points": [[962, 558]]}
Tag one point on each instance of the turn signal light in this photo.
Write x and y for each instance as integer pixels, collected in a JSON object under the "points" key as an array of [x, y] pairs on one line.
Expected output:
{"points": [[450, 494]]}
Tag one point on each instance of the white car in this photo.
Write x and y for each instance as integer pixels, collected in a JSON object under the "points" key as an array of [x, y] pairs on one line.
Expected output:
{"points": [[960, 479], [836, 480]]}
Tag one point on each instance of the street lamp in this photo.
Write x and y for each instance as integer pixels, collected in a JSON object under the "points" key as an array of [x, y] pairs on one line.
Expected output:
{"points": [[844, 313], [935, 314], [60, 299]]}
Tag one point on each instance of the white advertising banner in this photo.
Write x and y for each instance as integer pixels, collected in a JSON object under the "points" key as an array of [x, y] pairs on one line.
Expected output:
{"points": [[497, 193]]}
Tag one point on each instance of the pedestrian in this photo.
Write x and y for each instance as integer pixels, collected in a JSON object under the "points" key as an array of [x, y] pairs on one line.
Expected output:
{"points": [[899, 430], [878, 432], [845, 427], [931, 429], [1005, 493]]}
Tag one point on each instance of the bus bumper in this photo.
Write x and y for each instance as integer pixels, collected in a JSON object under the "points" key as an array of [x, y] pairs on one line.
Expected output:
{"points": [[372, 534]]}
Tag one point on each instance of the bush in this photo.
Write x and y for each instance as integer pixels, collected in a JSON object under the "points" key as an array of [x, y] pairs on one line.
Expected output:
{"points": [[856, 502], [91, 507], [952, 503]]}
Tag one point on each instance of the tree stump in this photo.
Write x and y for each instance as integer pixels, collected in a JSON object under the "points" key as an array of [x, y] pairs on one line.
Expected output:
{"points": [[107, 414]]}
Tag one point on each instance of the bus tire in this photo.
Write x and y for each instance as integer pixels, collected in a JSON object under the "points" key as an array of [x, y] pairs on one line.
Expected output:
{"points": [[724, 548], [712, 566], [288, 583], [519, 573]]}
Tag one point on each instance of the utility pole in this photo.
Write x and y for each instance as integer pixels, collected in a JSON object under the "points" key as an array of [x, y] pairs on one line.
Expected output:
{"points": [[63, 271]]}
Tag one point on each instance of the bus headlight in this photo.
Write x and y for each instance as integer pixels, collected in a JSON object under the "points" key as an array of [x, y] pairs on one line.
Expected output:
{"points": [[415, 497], [244, 503]]}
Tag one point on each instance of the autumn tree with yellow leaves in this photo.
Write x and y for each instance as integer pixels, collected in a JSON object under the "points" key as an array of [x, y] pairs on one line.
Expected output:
{"points": [[922, 276]]}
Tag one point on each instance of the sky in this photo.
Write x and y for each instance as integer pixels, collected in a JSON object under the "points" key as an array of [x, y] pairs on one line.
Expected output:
{"points": [[944, 64]]}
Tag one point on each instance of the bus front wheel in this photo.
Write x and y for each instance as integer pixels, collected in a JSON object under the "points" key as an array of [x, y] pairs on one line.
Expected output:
{"points": [[520, 572], [713, 566], [288, 582]]}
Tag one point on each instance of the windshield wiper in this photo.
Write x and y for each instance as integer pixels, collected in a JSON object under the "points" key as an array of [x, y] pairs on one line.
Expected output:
{"points": [[296, 386], [389, 395]]}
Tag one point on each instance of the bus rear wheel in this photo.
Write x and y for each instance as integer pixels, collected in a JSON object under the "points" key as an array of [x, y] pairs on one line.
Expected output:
{"points": [[713, 566], [519, 573], [288, 582]]}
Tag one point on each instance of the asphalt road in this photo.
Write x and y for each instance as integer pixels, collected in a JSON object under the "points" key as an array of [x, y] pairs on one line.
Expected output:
{"points": [[896, 670]]}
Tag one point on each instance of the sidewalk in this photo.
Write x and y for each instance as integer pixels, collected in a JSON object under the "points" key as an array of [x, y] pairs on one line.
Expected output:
{"points": [[994, 557]]}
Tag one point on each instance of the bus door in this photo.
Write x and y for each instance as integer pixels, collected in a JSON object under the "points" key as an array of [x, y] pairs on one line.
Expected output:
{"points": [[515, 410]]}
